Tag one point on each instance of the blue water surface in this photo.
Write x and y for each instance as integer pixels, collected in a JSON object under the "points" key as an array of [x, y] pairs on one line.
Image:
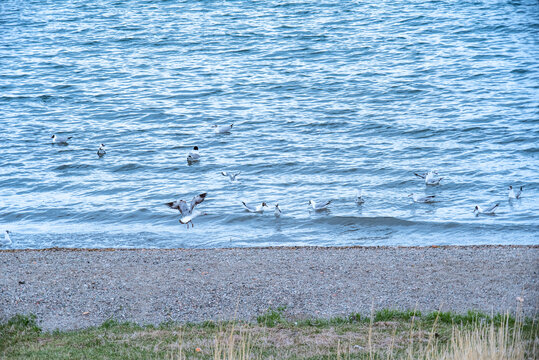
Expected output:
{"points": [[325, 97]]}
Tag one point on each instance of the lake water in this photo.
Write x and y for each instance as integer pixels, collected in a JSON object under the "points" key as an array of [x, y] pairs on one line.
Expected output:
{"points": [[325, 97]]}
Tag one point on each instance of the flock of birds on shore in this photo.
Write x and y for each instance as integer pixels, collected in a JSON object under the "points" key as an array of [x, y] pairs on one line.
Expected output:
{"points": [[188, 213]]}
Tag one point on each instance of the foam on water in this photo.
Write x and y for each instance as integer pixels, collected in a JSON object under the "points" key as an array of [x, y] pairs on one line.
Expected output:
{"points": [[325, 98]]}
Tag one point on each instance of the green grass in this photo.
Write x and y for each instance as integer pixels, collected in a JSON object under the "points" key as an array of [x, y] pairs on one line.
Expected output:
{"points": [[386, 334]]}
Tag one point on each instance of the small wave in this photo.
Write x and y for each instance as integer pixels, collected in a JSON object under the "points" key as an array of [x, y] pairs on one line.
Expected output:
{"points": [[127, 167], [75, 167]]}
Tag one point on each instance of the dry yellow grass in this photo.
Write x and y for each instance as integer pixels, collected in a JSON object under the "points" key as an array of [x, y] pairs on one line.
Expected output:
{"points": [[477, 342]]}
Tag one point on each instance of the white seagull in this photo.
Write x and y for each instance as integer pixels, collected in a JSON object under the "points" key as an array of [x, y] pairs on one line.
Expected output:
{"points": [[422, 199], [432, 179], [259, 209], [187, 210], [513, 194], [101, 151], [277, 211], [320, 205], [60, 139], [359, 197], [488, 211], [193, 156], [223, 129], [7, 238], [231, 176], [424, 175]]}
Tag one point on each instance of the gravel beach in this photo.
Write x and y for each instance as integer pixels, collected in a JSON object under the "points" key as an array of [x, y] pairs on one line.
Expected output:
{"points": [[73, 288]]}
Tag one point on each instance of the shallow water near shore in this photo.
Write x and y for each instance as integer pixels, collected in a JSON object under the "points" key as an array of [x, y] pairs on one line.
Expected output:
{"points": [[325, 99]]}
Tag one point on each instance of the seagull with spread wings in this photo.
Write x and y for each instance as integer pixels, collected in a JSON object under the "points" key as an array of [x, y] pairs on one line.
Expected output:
{"points": [[187, 209]]}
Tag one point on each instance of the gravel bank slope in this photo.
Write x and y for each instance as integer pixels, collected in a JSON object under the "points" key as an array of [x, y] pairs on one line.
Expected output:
{"points": [[69, 289]]}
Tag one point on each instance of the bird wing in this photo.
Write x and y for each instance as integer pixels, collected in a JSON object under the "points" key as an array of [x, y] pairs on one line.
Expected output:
{"points": [[492, 208], [181, 206], [248, 207], [197, 200], [422, 176], [323, 204]]}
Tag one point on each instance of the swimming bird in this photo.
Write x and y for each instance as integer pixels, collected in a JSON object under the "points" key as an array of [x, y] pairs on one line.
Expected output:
{"points": [[422, 199], [319, 205], [231, 176], [60, 139], [513, 194], [101, 151], [193, 156], [7, 239], [259, 209], [277, 211], [187, 210], [223, 129], [432, 179], [488, 211], [359, 197]]}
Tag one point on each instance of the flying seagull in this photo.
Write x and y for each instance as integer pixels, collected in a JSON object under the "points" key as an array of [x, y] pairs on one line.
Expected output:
{"points": [[432, 179], [101, 151], [223, 129], [488, 211], [422, 199], [231, 176], [424, 175], [193, 156], [259, 209], [319, 205], [60, 139], [514, 194], [187, 210]]}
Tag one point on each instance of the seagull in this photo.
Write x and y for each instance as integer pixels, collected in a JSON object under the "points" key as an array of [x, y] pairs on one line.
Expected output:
{"points": [[193, 156], [488, 211], [101, 151], [424, 175], [319, 206], [231, 176], [60, 139], [513, 194], [359, 197], [223, 129], [422, 199], [432, 179], [259, 209], [7, 238], [277, 211], [187, 210]]}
